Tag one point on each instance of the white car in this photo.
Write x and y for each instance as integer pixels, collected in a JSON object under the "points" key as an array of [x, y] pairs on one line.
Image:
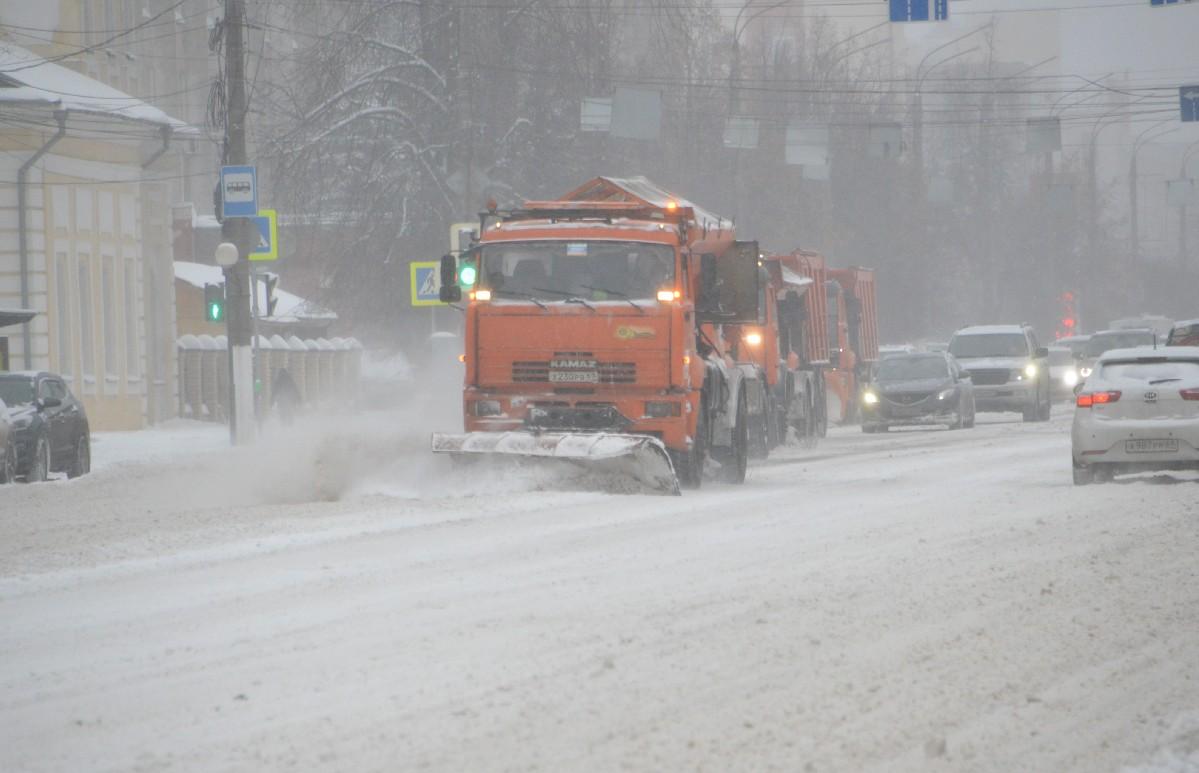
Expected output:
{"points": [[1138, 411]]}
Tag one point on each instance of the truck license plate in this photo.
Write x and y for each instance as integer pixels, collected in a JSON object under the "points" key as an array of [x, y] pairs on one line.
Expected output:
{"points": [[1151, 446], [574, 376]]}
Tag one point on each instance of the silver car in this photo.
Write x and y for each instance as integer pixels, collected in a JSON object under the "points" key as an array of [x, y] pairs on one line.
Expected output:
{"points": [[1138, 411]]}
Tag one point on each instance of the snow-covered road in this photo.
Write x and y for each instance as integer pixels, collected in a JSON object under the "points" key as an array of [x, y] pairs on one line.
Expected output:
{"points": [[340, 600]]}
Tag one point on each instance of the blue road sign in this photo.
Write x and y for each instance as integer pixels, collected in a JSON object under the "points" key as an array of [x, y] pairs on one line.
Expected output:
{"points": [[918, 10], [426, 283], [1167, 2], [266, 221], [1188, 102], [239, 191]]}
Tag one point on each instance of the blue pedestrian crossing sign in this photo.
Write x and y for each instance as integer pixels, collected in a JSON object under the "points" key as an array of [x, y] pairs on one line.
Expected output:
{"points": [[919, 10], [267, 222], [426, 283], [1188, 102]]}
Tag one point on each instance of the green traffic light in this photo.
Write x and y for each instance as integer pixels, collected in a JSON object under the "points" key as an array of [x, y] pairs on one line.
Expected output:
{"points": [[216, 312], [467, 275]]}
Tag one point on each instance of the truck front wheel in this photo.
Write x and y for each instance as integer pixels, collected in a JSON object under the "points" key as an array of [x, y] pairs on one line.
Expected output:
{"points": [[735, 459], [689, 465]]}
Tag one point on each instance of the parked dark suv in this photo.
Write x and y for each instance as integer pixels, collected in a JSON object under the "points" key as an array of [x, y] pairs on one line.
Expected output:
{"points": [[50, 430], [1009, 369]]}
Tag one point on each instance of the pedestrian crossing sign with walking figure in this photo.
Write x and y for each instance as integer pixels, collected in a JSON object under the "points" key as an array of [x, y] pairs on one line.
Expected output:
{"points": [[426, 283]]}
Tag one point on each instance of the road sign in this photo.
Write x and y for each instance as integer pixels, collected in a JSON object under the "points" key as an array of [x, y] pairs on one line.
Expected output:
{"points": [[426, 283], [1168, 2], [267, 222], [1188, 101], [918, 10], [461, 235], [239, 191]]}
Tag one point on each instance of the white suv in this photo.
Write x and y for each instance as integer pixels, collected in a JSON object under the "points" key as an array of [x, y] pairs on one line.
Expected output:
{"points": [[1009, 369]]}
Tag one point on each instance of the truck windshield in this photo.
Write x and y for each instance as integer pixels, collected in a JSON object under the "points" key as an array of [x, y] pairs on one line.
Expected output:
{"points": [[989, 345], [901, 368], [16, 390], [591, 270]]}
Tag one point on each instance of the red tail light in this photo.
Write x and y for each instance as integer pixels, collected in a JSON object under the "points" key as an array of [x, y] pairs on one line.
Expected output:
{"points": [[1190, 394], [1087, 399]]}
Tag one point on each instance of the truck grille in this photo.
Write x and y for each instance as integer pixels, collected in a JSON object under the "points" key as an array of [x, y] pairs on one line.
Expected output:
{"points": [[989, 376], [538, 371]]}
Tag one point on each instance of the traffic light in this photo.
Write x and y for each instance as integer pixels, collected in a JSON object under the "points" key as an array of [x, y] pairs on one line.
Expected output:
{"points": [[1067, 322], [269, 281], [214, 303], [468, 273]]}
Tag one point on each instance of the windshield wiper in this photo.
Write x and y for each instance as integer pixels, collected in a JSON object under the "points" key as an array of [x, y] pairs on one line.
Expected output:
{"points": [[566, 297], [1163, 381], [618, 294], [526, 296]]}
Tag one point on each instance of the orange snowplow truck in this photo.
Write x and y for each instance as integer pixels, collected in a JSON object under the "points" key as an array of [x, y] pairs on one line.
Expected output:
{"points": [[787, 351], [853, 339], [593, 335]]}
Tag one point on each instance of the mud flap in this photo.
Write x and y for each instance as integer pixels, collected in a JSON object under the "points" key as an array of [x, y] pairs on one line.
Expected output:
{"points": [[623, 459]]}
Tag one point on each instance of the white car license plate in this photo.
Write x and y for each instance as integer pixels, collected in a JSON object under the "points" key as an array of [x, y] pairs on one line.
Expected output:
{"points": [[574, 376], [1151, 446]]}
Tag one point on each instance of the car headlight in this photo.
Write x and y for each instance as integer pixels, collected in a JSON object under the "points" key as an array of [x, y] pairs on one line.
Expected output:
{"points": [[870, 398], [1030, 370], [1084, 372], [22, 423], [945, 394], [1070, 378]]}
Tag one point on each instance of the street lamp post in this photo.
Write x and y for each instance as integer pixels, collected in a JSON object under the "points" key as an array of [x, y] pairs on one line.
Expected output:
{"points": [[1182, 210], [1133, 206]]}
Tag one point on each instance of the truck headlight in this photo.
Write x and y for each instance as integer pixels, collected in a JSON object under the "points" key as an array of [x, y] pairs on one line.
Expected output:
{"points": [[1030, 370], [945, 394], [662, 410], [870, 398], [1070, 378], [487, 407]]}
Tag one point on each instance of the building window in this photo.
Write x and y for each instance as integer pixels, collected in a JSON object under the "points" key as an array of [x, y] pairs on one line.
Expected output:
{"points": [[128, 216], [60, 198], [83, 209], [87, 344], [107, 212], [133, 359], [62, 320], [108, 309]]}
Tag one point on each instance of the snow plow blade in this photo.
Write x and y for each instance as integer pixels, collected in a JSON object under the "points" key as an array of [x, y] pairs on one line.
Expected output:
{"points": [[637, 459]]}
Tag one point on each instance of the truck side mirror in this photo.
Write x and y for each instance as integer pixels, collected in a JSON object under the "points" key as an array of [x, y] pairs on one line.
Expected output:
{"points": [[1042, 352], [450, 291], [730, 286], [709, 293]]}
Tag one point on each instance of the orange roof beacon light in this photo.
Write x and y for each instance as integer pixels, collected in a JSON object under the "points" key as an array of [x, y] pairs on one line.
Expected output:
{"points": [[481, 295], [666, 296], [753, 339]]}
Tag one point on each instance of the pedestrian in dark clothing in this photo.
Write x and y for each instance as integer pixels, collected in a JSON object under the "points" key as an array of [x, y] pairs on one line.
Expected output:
{"points": [[285, 396]]}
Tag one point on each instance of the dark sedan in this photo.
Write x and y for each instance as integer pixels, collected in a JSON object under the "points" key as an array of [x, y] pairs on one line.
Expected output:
{"points": [[914, 389], [50, 429]]}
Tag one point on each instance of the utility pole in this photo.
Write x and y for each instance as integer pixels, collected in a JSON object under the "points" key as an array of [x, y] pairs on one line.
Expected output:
{"points": [[238, 231]]}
